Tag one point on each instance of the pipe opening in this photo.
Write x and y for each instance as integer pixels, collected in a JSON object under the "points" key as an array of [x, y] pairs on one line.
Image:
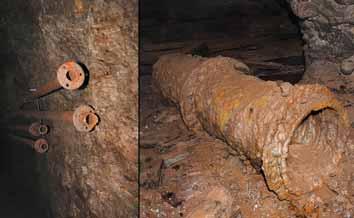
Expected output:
{"points": [[72, 76], [44, 147], [312, 152], [43, 129], [90, 119]]}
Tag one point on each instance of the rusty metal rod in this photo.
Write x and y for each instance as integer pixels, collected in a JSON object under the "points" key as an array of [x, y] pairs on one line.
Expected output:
{"points": [[35, 129], [44, 90], [295, 134], [20, 128], [70, 76], [40, 145], [38, 129], [83, 118]]}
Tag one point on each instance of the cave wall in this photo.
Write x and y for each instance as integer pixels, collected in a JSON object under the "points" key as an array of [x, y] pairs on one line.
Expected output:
{"points": [[328, 31], [83, 174], [327, 27], [19, 172]]}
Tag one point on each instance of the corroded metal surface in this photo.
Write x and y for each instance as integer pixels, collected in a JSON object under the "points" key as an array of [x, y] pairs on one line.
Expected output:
{"points": [[40, 145], [35, 129], [70, 75], [44, 90], [38, 129], [295, 134], [83, 118]]}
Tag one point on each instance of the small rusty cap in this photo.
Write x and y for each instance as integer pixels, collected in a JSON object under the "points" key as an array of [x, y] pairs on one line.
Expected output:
{"points": [[85, 119], [41, 146], [37, 129], [70, 75]]}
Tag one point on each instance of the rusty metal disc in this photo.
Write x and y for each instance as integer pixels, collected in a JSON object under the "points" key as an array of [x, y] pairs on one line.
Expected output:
{"points": [[85, 119], [70, 75], [41, 146]]}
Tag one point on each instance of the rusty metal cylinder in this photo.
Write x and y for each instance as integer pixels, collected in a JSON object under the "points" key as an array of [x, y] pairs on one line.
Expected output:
{"points": [[83, 118], [70, 75], [35, 129], [40, 145], [38, 129], [294, 134]]}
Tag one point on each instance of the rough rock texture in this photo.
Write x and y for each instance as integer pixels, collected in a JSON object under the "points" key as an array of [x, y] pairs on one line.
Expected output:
{"points": [[84, 174], [327, 28], [328, 32]]}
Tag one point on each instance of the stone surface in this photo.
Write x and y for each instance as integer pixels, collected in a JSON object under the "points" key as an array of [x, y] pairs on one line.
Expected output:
{"points": [[328, 32], [347, 66], [84, 174]]}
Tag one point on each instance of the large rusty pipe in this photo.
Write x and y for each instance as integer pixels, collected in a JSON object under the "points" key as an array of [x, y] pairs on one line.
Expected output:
{"points": [[70, 76], [40, 145], [83, 118], [35, 129], [295, 134]]}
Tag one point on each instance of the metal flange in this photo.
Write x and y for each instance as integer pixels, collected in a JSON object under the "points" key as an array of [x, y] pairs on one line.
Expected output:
{"points": [[70, 75], [41, 146], [38, 129], [85, 119]]}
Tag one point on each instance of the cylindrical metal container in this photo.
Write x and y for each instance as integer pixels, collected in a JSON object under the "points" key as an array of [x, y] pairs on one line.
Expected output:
{"points": [[40, 145], [70, 75], [294, 134], [83, 118]]}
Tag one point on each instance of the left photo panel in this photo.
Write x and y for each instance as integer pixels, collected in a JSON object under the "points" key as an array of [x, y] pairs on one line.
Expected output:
{"points": [[69, 109]]}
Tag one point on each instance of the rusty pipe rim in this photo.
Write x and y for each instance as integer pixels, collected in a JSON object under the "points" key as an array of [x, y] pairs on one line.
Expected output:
{"points": [[41, 146], [276, 170], [70, 75], [38, 129], [43, 129], [85, 119]]}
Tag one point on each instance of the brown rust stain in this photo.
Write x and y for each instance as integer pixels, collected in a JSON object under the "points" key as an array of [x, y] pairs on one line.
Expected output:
{"points": [[79, 7]]}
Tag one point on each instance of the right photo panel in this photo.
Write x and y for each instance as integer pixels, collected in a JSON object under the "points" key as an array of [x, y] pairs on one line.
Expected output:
{"points": [[246, 108]]}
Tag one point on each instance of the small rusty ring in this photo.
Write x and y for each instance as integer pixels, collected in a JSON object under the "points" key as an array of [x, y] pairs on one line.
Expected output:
{"points": [[41, 146], [43, 129], [37, 129]]}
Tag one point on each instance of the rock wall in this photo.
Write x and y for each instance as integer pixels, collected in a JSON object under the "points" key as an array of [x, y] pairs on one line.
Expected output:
{"points": [[328, 32], [84, 174]]}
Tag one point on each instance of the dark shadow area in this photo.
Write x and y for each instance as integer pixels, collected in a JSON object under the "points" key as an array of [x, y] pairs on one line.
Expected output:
{"points": [[263, 34], [20, 189], [87, 75], [19, 180]]}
